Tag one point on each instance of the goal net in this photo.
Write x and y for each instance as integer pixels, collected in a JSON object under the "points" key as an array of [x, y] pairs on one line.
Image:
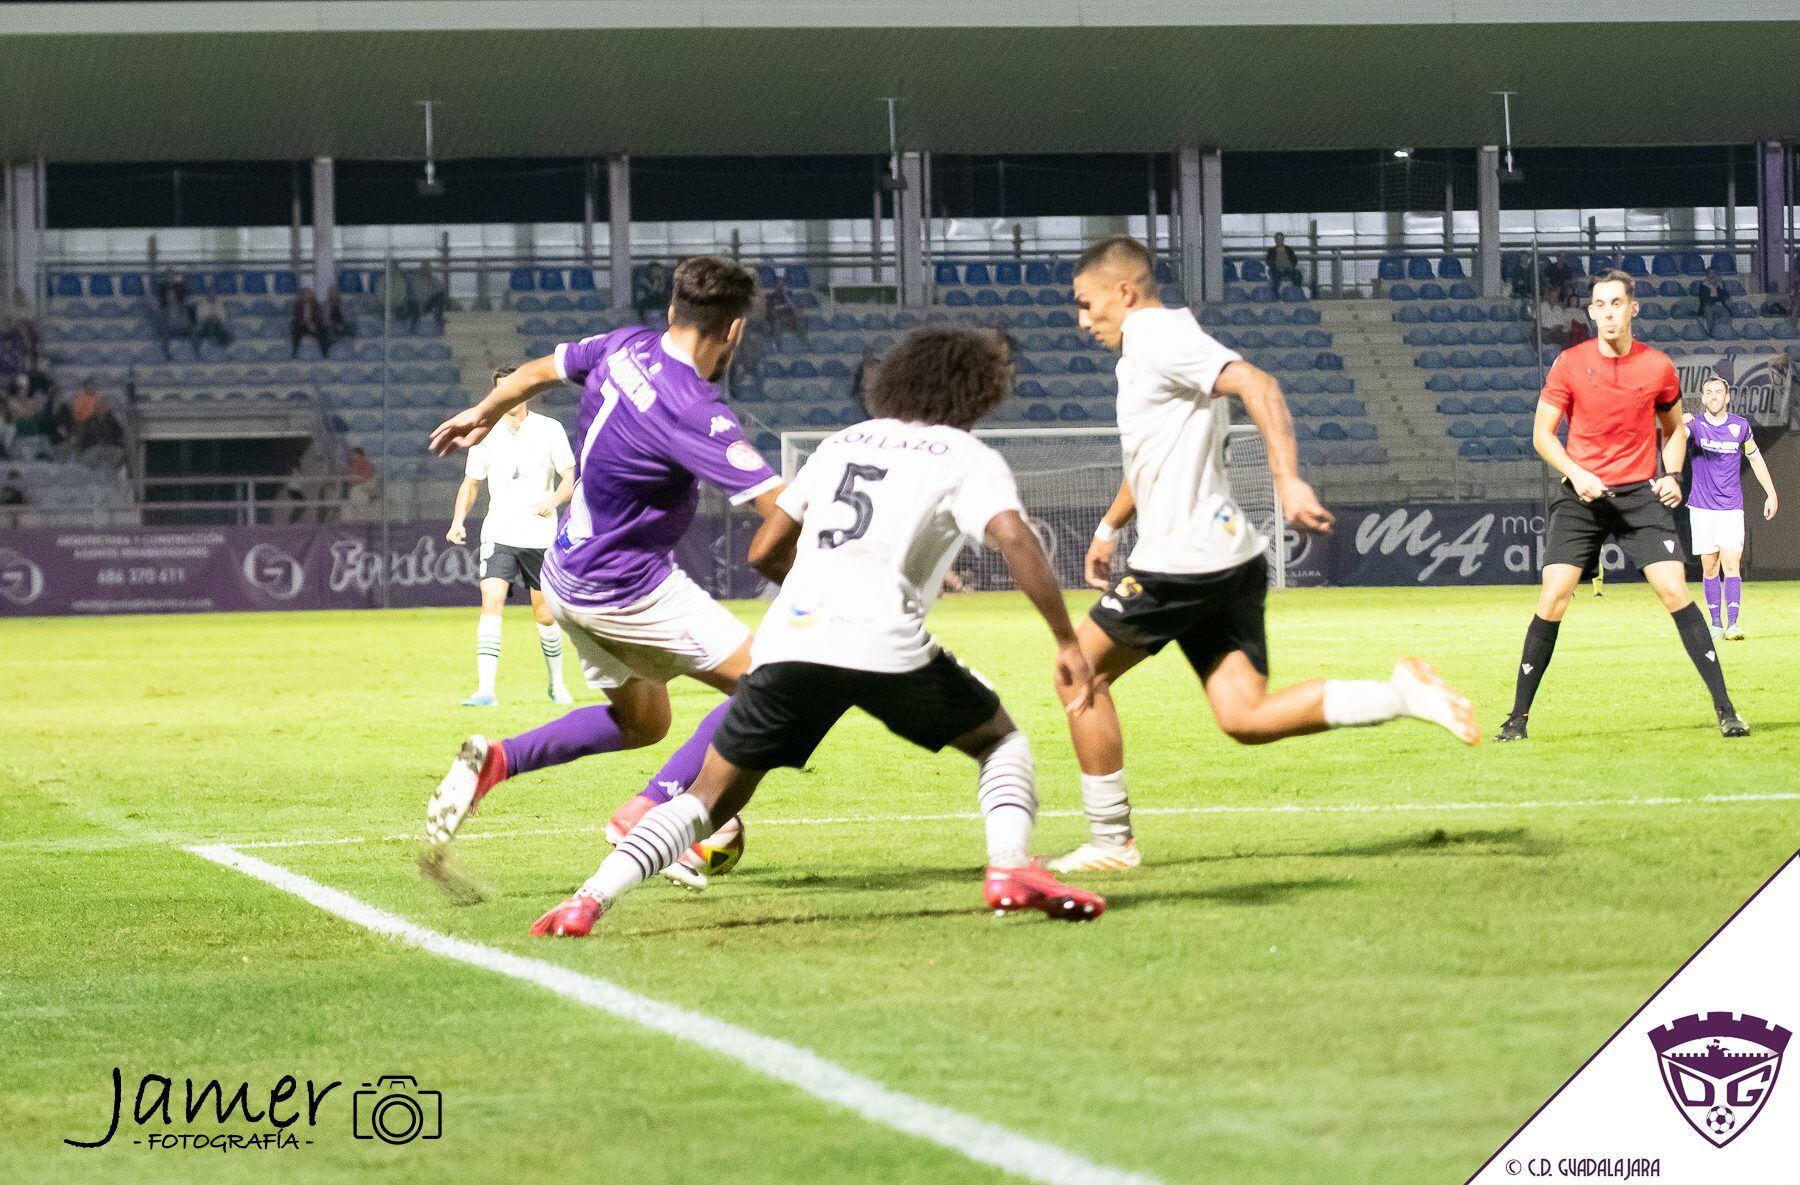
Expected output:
{"points": [[1067, 478]]}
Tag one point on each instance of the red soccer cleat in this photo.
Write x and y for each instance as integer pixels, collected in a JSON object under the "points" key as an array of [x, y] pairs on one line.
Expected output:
{"points": [[574, 918], [480, 765], [1012, 889], [627, 817]]}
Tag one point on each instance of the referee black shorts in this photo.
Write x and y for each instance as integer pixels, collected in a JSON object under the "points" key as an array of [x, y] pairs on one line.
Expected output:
{"points": [[515, 565], [780, 712], [1208, 616], [1631, 515]]}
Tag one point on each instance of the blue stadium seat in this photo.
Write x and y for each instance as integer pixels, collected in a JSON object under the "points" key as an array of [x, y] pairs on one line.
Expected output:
{"points": [[1007, 274], [1472, 382], [1452, 405], [1692, 333], [1339, 384], [1692, 263], [1471, 313], [520, 280], [1670, 288], [1038, 274], [581, 279], [1643, 288], [1431, 360], [1358, 430], [1065, 272], [1483, 405], [131, 284], [1252, 271], [1440, 314], [1500, 380], [797, 276], [1164, 273], [820, 417], [1515, 405], [1391, 267], [1231, 271], [1284, 339], [1059, 320], [1302, 430], [1460, 359], [1505, 312], [100, 284], [944, 274], [1072, 413], [1663, 264], [1495, 430], [1017, 297], [1481, 335], [1526, 356], [1601, 262], [1725, 263], [1082, 364], [1471, 450], [1450, 268], [1409, 315], [1491, 359], [1431, 291], [976, 273], [1418, 268], [1463, 290], [1332, 430], [1633, 265], [1040, 413], [956, 298]]}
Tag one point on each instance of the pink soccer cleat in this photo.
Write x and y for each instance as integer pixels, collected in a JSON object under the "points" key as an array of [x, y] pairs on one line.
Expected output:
{"points": [[480, 765], [574, 918], [1010, 890]]}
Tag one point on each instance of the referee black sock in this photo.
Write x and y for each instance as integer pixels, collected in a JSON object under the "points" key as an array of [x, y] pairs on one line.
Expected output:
{"points": [[1540, 644], [1690, 623]]}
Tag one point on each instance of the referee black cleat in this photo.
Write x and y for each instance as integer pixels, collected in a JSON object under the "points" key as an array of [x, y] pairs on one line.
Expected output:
{"points": [[1513, 729], [1731, 724]]}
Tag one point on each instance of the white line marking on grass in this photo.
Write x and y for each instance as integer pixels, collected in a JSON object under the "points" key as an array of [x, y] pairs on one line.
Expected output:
{"points": [[983, 1142], [1337, 808]]}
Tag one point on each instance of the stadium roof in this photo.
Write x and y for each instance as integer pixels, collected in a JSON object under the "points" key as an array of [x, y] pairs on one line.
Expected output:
{"points": [[281, 79]]}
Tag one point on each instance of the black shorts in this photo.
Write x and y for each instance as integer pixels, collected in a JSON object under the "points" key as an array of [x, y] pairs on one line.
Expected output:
{"points": [[1207, 616], [780, 713], [515, 565], [1632, 515]]}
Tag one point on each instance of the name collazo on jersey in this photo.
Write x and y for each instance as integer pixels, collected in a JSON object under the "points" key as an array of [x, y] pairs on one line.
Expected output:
{"points": [[882, 440]]}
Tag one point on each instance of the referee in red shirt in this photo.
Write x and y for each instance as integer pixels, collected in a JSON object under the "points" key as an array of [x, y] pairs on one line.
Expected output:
{"points": [[1615, 484]]}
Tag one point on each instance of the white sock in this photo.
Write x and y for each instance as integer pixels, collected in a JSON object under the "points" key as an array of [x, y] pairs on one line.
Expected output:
{"points": [[550, 640], [665, 831], [1107, 807], [1354, 703], [1007, 792], [487, 654]]}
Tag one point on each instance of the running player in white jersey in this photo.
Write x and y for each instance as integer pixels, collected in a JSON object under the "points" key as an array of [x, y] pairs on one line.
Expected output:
{"points": [[1198, 576], [530, 473], [860, 543]]}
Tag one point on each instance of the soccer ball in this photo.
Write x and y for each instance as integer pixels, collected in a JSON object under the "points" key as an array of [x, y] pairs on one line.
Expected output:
{"points": [[719, 852], [1721, 1120]]}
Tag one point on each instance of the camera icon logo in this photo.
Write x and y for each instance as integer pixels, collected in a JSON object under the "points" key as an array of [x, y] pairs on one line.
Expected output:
{"points": [[394, 1110]]}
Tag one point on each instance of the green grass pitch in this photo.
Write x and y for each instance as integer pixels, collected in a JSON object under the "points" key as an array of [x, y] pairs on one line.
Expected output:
{"points": [[1277, 996]]}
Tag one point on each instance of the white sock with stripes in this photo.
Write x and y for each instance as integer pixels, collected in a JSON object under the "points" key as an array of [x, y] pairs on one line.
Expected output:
{"points": [[659, 838], [1107, 807], [550, 640], [1008, 796], [487, 654]]}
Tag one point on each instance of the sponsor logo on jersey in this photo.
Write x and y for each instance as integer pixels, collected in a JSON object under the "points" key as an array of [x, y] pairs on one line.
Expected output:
{"points": [[804, 616], [720, 424], [742, 456], [1128, 588]]}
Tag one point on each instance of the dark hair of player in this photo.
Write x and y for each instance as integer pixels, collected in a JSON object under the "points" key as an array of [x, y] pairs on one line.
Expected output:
{"points": [[1612, 275], [943, 376], [710, 293], [1120, 253], [501, 372]]}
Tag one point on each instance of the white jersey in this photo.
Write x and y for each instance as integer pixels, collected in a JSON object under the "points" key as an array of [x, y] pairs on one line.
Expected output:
{"points": [[521, 468], [884, 508], [1174, 440]]}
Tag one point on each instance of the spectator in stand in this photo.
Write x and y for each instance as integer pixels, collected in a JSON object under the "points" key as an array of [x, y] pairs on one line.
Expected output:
{"points": [[1576, 314], [1715, 303], [434, 296], [360, 486], [859, 382], [24, 327], [33, 429], [1283, 264], [209, 322], [171, 311], [1515, 268], [308, 320], [745, 376], [101, 441], [9, 425], [1552, 321], [339, 325], [650, 292], [1557, 280], [12, 498], [779, 312]]}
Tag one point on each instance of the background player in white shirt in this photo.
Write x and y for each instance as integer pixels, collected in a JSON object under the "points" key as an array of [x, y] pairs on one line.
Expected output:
{"points": [[860, 543], [1198, 576], [530, 473]]}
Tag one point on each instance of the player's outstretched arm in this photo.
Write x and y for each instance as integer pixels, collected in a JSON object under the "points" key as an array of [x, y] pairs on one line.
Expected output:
{"points": [[1098, 565], [468, 428], [772, 550], [1587, 487], [1268, 409], [459, 517], [1024, 555], [1760, 467]]}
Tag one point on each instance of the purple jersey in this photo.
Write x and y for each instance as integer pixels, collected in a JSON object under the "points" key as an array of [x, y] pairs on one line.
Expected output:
{"points": [[649, 428], [1718, 454]]}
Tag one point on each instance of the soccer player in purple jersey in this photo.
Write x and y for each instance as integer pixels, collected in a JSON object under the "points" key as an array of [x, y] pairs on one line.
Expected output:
{"points": [[1718, 444], [652, 425]]}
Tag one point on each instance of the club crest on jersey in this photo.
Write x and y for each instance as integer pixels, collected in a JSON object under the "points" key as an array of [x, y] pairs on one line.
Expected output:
{"points": [[1733, 429], [804, 616], [1227, 520], [742, 456], [1719, 1069]]}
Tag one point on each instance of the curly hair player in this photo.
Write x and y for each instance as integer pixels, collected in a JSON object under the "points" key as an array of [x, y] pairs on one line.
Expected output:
{"points": [[860, 543]]}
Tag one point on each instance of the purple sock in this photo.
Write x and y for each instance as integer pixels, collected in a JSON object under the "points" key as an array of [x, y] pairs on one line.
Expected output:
{"points": [[1734, 586], [580, 733], [683, 766], [1712, 598]]}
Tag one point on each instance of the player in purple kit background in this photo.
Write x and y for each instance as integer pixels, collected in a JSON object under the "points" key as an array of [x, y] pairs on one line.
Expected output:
{"points": [[1717, 444], [652, 425]]}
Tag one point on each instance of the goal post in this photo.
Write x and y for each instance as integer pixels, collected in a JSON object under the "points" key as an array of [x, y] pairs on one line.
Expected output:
{"points": [[1067, 478]]}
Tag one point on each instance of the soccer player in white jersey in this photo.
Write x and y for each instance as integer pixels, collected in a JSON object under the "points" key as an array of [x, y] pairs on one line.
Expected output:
{"points": [[1198, 575], [860, 543], [530, 473]]}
